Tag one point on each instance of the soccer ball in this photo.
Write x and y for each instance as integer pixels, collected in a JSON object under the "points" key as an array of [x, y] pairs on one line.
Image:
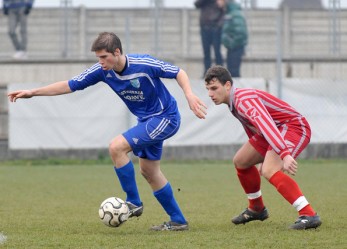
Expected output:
{"points": [[113, 212]]}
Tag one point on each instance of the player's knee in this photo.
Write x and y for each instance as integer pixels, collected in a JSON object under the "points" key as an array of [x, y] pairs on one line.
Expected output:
{"points": [[238, 161], [268, 172], [115, 148]]}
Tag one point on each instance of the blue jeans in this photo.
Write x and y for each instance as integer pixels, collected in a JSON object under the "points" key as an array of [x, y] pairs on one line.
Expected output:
{"points": [[211, 37], [234, 59]]}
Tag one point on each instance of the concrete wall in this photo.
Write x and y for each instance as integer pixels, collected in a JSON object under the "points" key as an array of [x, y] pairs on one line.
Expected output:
{"points": [[56, 34], [3, 112], [305, 40]]}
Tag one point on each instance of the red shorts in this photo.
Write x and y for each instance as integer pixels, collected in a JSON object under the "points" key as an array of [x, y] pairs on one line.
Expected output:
{"points": [[296, 134]]}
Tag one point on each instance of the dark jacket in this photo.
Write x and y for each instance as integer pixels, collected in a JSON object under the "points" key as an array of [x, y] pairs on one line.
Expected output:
{"points": [[235, 32], [15, 4], [210, 14]]}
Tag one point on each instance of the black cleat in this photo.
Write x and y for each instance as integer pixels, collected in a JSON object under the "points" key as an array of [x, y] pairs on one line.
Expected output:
{"points": [[248, 216], [306, 222], [134, 210]]}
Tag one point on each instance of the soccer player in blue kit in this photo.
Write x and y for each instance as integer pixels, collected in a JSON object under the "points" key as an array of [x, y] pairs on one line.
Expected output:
{"points": [[135, 78]]}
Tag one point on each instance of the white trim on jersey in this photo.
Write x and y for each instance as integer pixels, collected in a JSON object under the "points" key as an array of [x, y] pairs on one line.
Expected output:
{"points": [[302, 139], [157, 113], [83, 75], [133, 76], [152, 62]]}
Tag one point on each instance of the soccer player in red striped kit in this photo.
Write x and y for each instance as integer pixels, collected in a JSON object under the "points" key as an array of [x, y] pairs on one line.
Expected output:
{"points": [[277, 135]]}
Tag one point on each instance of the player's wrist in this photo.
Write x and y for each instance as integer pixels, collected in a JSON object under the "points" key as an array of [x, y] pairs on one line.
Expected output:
{"points": [[284, 154]]}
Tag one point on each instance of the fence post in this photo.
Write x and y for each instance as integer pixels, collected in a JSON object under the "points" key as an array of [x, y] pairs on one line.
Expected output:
{"points": [[185, 27], [66, 4], [82, 32], [279, 54]]}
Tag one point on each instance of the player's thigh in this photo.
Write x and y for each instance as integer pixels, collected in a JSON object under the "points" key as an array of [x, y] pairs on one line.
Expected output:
{"points": [[151, 131], [146, 138], [247, 156]]}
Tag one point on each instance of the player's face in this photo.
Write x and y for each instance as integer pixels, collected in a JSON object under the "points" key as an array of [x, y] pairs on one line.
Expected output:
{"points": [[106, 60], [217, 92]]}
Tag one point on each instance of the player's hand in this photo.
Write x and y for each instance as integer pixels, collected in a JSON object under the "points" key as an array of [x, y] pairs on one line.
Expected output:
{"points": [[197, 106], [25, 94], [290, 165]]}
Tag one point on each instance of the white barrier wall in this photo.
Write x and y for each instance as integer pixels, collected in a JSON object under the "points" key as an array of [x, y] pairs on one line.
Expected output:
{"points": [[323, 102], [91, 118]]}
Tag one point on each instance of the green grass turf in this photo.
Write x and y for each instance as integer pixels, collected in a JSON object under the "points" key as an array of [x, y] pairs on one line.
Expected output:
{"points": [[54, 204]]}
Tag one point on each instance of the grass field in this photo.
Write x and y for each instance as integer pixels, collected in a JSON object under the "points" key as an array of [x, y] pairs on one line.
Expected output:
{"points": [[54, 204]]}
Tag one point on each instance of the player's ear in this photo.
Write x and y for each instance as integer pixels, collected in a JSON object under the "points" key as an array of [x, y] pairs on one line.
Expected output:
{"points": [[228, 85], [117, 51]]}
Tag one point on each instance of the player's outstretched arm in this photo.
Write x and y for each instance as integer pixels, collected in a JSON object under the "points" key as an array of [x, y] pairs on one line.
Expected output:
{"points": [[195, 104], [57, 88]]}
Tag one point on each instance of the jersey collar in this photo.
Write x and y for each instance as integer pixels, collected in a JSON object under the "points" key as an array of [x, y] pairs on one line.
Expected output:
{"points": [[125, 66], [231, 98]]}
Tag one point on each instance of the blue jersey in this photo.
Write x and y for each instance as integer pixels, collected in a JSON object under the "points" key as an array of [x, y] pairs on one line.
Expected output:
{"points": [[138, 85]]}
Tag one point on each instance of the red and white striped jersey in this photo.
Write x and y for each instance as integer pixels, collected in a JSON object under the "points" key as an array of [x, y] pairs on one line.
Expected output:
{"points": [[262, 113]]}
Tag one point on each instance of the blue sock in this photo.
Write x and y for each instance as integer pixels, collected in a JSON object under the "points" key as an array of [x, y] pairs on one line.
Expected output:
{"points": [[167, 200], [126, 176]]}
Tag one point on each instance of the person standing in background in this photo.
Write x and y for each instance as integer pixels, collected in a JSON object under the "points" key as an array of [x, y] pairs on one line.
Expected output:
{"points": [[234, 37], [211, 22], [17, 12]]}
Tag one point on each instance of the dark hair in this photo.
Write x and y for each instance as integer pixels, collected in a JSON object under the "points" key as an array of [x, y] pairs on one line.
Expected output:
{"points": [[108, 41], [218, 72]]}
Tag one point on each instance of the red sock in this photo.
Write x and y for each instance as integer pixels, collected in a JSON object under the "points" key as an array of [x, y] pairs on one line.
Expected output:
{"points": [[250, 181], [290, 190]]}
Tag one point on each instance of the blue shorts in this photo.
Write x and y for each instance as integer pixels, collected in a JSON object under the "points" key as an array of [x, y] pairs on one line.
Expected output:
{"points": [[147, 137]]}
